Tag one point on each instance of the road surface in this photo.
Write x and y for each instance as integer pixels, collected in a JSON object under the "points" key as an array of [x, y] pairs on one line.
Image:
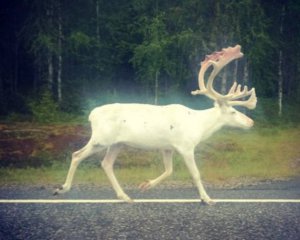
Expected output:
{"points": [[224, 220]]}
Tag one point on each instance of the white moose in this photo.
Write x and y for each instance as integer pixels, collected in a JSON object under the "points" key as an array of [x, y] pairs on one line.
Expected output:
{"points": [[168, 128]]}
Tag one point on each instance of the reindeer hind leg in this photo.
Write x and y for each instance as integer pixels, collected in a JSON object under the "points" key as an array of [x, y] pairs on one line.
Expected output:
{"points": [[77, 158], [168, 164]]}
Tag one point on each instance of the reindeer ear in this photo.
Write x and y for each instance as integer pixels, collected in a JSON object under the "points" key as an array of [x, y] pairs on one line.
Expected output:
{"points": [[219, 103], [224, 108], [222, 105]]}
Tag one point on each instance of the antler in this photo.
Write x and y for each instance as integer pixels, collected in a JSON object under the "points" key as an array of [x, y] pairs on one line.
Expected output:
{"points": [[218, 60]]}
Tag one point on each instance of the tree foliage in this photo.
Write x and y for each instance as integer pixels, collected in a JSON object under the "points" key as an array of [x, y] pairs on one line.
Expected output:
{"points": [[94, 49]]}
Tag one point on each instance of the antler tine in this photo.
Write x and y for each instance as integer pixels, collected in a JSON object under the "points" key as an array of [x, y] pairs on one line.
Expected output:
{"points": [[250, 103], [233, 88], [236, 92]]}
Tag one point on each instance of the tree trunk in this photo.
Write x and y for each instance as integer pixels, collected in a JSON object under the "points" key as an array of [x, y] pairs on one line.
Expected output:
{"points": [[50, 71], [235, 71], [224, 81], [1, 88], [246, 74], [280, 83], [37, 73], [50, 82], [59, 70], [245, 79], [97, 20], [16, 58], [156, 88], [16, 68], [280, 77]]}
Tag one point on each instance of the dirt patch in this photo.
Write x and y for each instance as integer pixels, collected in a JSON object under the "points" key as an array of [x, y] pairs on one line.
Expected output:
{"points": [[25, 144]]}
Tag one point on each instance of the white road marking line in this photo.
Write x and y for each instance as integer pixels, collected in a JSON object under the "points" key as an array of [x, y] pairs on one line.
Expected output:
{"points": [[53, 201], [259, 200]]}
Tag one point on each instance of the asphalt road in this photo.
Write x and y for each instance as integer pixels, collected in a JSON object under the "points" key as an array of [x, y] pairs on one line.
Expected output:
{"points": [[152, 220]]}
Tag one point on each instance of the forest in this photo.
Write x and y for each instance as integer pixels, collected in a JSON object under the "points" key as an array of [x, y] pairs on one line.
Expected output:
{"points": [[66, 57]]}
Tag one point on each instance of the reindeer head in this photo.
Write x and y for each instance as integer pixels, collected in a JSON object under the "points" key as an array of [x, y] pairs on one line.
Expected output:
{"points": [[225, 102]]}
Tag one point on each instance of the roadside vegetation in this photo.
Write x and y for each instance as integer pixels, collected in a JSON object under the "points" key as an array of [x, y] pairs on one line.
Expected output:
{"points": [[229, 157], [39, 152]]}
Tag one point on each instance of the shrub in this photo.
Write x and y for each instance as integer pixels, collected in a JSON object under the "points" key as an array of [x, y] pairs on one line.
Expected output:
{"points": [[45, 109]]}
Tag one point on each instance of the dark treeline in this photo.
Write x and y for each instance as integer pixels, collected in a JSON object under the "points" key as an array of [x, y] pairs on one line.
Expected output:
{"points": [[86, 52]]}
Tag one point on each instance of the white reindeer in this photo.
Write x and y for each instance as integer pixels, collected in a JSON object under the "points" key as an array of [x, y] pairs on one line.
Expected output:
{"points": [[168, 128]]}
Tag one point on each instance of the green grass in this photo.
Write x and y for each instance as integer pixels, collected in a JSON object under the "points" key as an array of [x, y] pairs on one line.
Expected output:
{"points": [[84, 175], [268, 153], [260, 154]]}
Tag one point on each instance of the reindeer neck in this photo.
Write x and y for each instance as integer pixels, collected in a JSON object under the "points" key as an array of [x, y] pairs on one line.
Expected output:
{"points": [[210, 121]]}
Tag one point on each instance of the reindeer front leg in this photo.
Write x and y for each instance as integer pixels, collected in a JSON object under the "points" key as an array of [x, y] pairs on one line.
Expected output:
{"points": [[192, 167]]}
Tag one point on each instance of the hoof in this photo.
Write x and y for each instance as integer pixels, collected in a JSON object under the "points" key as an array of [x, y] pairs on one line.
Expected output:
{"points": [[208, 202], [130, 201], [125, 198], [58, 191], [145, 185]]}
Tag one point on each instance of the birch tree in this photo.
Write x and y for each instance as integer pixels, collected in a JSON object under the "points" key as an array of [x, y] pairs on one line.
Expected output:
{"points": [[280, 77], [150, 57], [59, 52]]}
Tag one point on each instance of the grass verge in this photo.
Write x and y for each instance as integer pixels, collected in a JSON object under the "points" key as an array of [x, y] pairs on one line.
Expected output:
{"points": [[258, 154]]}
